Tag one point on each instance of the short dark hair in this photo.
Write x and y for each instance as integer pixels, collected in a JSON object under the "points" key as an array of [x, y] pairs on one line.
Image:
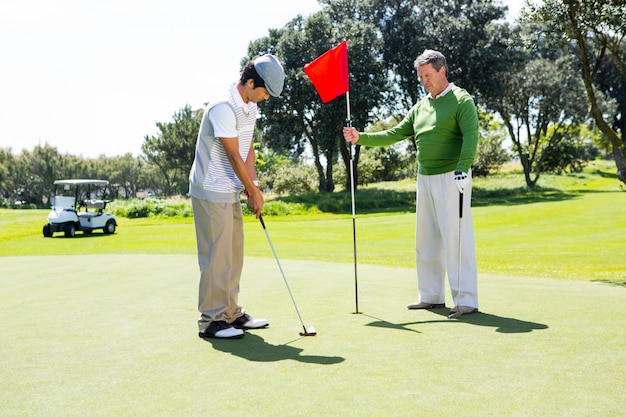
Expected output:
{"points": [[249, 72], [437, 59]]}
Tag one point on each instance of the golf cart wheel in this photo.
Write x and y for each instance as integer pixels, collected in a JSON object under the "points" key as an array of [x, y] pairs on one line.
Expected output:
{"points": [[47, 230], [70, 230], [109, 228]]}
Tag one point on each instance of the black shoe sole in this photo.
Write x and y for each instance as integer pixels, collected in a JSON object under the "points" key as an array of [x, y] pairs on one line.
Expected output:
{"points": [[204, 335], [237, 326]]}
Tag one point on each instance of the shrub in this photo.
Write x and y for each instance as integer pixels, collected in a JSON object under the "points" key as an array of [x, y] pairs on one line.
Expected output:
{"points": [[569, 156], [136, 208], [490, 154], [293, 178]]}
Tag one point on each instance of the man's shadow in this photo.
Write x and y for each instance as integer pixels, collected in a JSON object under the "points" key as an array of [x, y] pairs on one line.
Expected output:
{"points": [[501, 324], [254, 348]]}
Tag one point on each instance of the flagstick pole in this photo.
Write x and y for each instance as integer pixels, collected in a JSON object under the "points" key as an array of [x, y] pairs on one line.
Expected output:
{"points": [[352, 186]]}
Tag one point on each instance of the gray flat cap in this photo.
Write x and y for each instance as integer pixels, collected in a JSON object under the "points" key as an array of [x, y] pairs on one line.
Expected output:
{"points": [[268, 68]]}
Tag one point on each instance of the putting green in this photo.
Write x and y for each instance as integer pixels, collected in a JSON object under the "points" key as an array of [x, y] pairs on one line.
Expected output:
{"points": [[115, 335]]}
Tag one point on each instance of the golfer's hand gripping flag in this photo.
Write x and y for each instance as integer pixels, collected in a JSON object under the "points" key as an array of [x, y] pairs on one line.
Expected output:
{"points": [[329, 72]]}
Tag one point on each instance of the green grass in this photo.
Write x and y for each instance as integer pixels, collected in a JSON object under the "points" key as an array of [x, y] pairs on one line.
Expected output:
{"points": [[115, 335], [104, 325], [571, 227]]}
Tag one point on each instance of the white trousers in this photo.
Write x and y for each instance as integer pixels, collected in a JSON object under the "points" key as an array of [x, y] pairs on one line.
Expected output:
{"points": [[439, 231]]}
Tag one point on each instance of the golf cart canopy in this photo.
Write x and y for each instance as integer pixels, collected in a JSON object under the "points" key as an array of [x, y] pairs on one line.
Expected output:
{"points": [[101, 183]]}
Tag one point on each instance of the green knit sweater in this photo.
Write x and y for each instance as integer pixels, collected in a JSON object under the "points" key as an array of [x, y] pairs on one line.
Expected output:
{"points": [[445, 130]]}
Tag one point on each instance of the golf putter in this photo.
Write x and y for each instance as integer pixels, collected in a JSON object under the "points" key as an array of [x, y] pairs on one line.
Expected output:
{"points": [[458, 313], [306, 332]]}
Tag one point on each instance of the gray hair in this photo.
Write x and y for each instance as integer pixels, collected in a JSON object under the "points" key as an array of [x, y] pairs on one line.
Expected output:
{"points": [[437, 59]]}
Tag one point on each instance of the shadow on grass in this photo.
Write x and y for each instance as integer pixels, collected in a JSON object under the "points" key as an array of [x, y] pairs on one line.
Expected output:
{"points": [[612, 283], [517, 196], [254, 348], [502, 324], [604, 174], [81, 235], [388, 325]]}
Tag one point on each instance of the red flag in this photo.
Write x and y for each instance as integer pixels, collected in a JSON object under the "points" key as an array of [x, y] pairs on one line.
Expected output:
{"points": [[329, 72]]}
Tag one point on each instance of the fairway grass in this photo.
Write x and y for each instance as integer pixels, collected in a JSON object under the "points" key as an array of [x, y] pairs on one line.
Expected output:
{"points": [[578, 237], [104, 325], [115, 335]]}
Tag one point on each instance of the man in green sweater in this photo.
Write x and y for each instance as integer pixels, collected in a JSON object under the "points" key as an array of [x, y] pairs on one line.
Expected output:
{"points": [[445, 127]]}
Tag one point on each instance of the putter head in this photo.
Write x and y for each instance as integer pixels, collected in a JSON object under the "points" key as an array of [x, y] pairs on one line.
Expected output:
{"points": [[455, 315], [308, 332]]}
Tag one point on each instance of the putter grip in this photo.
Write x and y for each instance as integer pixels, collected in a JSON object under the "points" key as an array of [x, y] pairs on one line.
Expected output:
{"points": [[460, 205], [262, 222]]}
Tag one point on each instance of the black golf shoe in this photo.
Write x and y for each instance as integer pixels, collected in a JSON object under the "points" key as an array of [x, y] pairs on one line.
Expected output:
{"points": [[247, 322], [221, 330]]}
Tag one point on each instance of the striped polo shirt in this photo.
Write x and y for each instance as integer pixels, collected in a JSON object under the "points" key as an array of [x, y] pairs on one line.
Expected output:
{"points": [[212, 177]]}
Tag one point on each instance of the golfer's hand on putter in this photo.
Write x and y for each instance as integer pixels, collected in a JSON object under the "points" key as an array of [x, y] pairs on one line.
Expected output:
{"points": [[460, 180], [350, 134], [255, 201]]}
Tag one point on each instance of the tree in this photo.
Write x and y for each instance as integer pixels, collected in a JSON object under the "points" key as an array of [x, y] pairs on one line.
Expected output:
{"points": [[42, 166], [125, 174], [29, 177], [611, 82], [173, 149], [571, 155], [466, 31], [597, 29], [299, 118], [540, 107], [491, 153], [7, 162]]}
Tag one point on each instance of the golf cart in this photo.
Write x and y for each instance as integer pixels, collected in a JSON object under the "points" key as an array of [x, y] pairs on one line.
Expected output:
{"points": [[70, 197]]}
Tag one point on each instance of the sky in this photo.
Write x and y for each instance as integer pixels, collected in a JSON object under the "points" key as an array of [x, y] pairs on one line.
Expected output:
{"points": [[92, 77]]}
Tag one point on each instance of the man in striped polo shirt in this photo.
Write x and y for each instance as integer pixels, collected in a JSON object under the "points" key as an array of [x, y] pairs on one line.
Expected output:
{"points": [[223, 168], [445, 126]]}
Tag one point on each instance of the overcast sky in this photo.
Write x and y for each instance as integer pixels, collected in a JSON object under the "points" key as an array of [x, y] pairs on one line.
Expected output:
{"points": [[92, 77]]}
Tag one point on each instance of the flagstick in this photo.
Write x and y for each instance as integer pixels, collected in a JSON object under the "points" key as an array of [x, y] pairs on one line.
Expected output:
{"points": [[352, 186]]}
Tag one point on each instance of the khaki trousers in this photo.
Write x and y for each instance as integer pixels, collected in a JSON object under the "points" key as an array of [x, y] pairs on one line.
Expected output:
{"points": [[219, 237], [437, 241]]}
